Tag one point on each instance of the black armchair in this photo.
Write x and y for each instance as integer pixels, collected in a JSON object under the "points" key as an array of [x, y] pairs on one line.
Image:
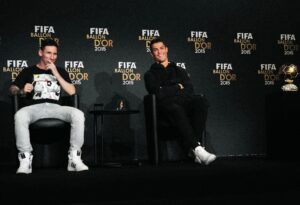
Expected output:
{"points": [[162, 138], [49, 136]]}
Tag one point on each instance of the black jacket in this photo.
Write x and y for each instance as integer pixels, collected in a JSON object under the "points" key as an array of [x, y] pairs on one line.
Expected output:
{"points": [[163, 82]]}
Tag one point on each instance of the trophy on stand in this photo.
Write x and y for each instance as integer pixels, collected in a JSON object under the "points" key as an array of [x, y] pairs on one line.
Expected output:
{"points": [[289, 72]]}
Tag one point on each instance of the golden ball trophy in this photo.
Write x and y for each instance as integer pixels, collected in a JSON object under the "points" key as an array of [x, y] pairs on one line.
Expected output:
{"points": [[290, 72]]}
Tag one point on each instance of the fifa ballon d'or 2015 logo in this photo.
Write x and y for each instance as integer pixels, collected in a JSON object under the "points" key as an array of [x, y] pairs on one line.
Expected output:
{"points": [[269, 73], [14, 67], [246, 43], [76, 71], [148, 35], [100, 39], [200, 42], [225, 72], [288, 42], [128, 71], [42, 32]]}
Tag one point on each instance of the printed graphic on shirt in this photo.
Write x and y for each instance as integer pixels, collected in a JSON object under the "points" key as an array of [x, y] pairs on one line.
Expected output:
{"points": [[45, 87]]}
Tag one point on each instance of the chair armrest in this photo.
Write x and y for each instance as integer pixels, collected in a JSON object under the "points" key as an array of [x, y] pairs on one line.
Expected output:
{"points": [[16, 103], [70, 100], [204, 99]]}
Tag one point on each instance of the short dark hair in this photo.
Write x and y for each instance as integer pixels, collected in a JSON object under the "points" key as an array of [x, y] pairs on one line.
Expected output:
{"points": [[48, 42], [157, 40]]}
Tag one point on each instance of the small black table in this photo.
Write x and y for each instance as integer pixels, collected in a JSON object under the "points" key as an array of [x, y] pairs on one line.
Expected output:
{"points": [[101, 113]]}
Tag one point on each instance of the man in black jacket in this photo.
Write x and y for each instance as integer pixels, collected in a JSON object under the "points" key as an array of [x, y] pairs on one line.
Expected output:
{"points": [[175, 98]]}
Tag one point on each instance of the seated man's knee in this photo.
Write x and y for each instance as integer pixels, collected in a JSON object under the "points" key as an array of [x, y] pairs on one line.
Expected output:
{"points": [[78, 115], [174, 111], [21, 116]]}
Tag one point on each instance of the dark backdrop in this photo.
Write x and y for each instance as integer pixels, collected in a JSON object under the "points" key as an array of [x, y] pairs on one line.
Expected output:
{"points": [[236, 121]]}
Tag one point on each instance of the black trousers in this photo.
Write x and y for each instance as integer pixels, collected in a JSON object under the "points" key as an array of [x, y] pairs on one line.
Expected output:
{"points": [[188, 116]]}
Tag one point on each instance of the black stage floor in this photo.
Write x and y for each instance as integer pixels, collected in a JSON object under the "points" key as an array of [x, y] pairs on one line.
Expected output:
{"points": [[228, 180]]}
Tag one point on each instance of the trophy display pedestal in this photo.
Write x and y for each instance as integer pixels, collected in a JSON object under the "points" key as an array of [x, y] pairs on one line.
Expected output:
{"points": [[282, 125], [289, 88]]}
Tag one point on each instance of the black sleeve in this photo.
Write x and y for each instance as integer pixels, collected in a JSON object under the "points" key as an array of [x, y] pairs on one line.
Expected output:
{"points": [[152, 84], [64, 74], [186, 82], [25, 76]]}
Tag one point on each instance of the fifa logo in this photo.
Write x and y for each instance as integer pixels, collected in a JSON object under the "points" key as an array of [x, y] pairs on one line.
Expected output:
{"points": [[148, 35], [99, 37], [15, 67], [288, 42], [199, 39], [246, 46], [225, 72], [181, 65], [16, 63], [128, 72], [75, 73], [44, 29], [268, 71], [42, 32]]}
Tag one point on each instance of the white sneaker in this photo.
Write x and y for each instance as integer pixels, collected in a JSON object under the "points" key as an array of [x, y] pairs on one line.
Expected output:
{"points": [[75, 163], [25, 159], [201, 155]]}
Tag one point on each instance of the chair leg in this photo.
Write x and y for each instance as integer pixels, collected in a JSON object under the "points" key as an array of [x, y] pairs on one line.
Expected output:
{"points": [[204, 137]]}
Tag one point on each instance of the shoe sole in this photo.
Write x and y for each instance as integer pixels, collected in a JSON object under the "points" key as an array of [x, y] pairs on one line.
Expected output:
{"points": [[29, 172], [210, 159], [71, 169]]}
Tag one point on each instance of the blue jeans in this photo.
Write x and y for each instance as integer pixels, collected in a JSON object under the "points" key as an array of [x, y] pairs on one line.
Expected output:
{"points": [[29, 114]]}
